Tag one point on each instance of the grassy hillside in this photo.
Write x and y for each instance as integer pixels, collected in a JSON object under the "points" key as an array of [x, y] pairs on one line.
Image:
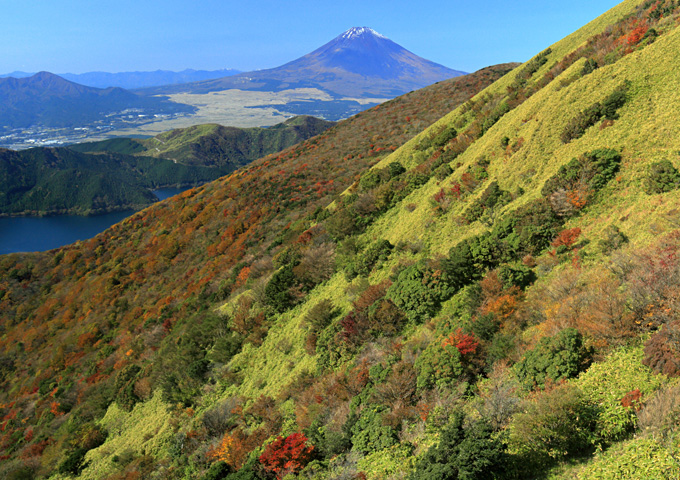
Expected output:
{"points": [[81, 315], [494, 298]]}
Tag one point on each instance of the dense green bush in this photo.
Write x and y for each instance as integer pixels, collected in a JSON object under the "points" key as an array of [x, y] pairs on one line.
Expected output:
{"points": [[516, 276], [124, 387], [395, 169], [373, 255], [554, 358], [589, 67], [442, 172], [463, 452], [74, 463], [438, 365], [443, 137], [661, 177], [218, 471], [612, 239], [591, 171], [494, 116], [419, 290], [278, 293], [369, 434]]}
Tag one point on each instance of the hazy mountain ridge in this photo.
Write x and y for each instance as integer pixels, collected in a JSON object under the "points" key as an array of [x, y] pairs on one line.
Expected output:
{"points": [[137, 79], [48, 100]]}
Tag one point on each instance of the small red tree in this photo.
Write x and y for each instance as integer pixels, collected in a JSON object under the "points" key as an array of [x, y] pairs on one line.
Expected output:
{"points": [[466, 344], [286, 455], [566, 237]]}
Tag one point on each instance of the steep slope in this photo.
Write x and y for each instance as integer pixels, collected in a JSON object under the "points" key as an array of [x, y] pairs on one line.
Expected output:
{"points": [[173, 258], [496, 298], [357, 63], [51, 101]]}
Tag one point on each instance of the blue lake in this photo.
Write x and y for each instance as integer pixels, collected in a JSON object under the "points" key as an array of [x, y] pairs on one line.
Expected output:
{"points": [[31, 234]]}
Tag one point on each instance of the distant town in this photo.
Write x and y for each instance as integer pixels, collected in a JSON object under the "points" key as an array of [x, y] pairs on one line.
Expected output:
{"points": [[40, 136]]}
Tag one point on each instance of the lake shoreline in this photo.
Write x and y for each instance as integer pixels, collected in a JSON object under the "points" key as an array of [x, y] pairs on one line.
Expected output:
{"points": [[100, 211], [20, 234]]}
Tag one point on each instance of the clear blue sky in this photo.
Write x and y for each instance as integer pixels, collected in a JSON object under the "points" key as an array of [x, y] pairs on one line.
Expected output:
{"points": [[77, 36]]}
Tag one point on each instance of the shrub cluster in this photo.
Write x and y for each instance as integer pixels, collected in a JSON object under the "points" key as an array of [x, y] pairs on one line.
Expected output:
{"points": [[491, 197], [553, 359], [661, 177], [607, 110]]}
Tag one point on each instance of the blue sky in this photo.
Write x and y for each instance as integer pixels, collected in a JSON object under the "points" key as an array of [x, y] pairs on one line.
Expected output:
{"points": [[124, 35]]}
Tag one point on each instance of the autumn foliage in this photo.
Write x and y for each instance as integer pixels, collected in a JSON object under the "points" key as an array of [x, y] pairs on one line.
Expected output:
{"points": [[287, 455]]}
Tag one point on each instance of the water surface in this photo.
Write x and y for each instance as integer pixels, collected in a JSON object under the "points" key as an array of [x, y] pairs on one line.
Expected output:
{"points": [[32, 234]]}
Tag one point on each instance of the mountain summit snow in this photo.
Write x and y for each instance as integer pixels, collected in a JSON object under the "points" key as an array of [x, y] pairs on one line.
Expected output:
{"points": [[359, 62], [359, 31]]}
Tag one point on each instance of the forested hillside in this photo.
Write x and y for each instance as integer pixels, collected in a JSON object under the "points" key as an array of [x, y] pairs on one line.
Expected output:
{"points": [[214, 145], [119, 174], [492, 295], [70, 317]]}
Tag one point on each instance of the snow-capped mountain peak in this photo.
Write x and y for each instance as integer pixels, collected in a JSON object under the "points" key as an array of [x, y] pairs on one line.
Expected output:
{"points": [[355, 32]]}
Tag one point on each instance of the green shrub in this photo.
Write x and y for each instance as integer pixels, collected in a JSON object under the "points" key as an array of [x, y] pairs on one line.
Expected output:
{"points": [[372, 256], [591, 171], [661, 177], [589, 67], [443, 172], [278, 293], [321, 315], [494, 116], [419, 291], [438, 366], [585, 119], [463, 452], [74, 463], [442, 138], [557, 424], [606, 383], [554, 358], [516, 276], [612, 239], [395, 169], [369, 434], [492, 196], [217, 471], [124, 387]]}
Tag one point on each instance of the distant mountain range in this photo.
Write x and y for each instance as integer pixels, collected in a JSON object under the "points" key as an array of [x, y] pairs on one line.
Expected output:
{"points": [[48, 100], [358, 63], [129, 80]]}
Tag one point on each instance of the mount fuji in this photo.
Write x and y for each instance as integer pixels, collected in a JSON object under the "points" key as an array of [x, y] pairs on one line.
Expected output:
{"points": [[357, 63]]}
